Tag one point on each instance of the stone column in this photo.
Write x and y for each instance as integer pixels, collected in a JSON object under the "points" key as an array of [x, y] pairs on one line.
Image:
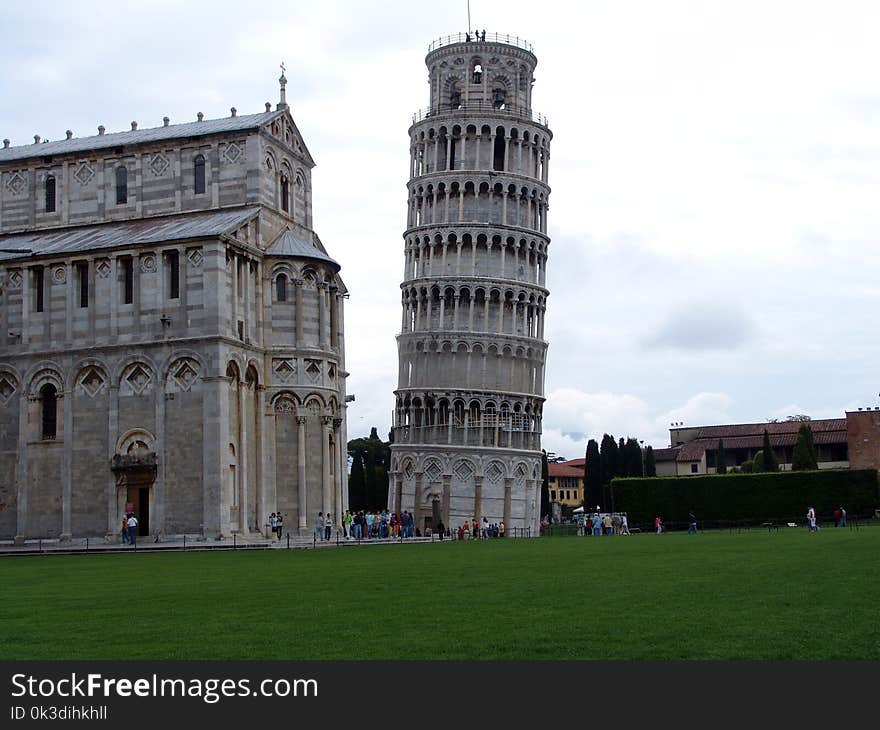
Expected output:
{"points": [[337, 471], [478, 497], [508, 482], [327, 451], [334, 317], [21, 469], [301, 472], [243, 466], [322, 315], [455, 300], [417, 505], [66, 464], [157, 518], [298, 284]]}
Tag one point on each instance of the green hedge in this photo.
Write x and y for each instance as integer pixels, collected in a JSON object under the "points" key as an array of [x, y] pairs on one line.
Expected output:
{"points": [[779, 496]]}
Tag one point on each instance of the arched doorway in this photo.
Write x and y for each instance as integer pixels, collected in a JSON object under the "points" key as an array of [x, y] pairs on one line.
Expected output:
{"points": [[134, 466]]}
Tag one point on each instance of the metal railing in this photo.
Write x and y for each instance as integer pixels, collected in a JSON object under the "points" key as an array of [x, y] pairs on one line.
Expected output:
{"points": [[483, 106], [475, 38]]}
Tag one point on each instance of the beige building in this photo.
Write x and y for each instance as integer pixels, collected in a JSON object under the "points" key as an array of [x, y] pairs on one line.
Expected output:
{"points": [[565, 482], [172, 333], [470, 393]]}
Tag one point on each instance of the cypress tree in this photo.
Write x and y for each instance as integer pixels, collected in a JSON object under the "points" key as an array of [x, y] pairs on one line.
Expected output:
{"points": [[771, 463], [721, 459], [592, 474], [634, 466], [804, 456], [357, 485], [621, 467], [607, 459], [650, 464]]}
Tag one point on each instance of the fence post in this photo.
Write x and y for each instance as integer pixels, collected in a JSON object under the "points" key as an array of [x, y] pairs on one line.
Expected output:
{"points": [[40, 545], [87, 544], [184, 543], [288, 541], [337, 538], [234, 543], [314, 540]]}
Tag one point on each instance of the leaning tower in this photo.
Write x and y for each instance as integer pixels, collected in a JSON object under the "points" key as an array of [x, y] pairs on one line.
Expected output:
{"points": [[467, 421]]}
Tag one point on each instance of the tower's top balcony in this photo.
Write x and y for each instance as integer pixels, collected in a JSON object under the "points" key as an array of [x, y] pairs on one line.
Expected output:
{"points": [[481, 106], [477, 38]]}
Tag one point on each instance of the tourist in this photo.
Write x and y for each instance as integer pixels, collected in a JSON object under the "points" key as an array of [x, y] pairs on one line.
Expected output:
{"points": [[836, 515], [279, 525], [811, 519], [440, 529], [606, 523], [328, 526], [624, 525], [370, 517], [346, 524], [485, 533], [658, 525], [273, 523], [597, 525], [692, 523], [125, 530], [132, 528], [475, 532], [319, 526], [842, 517], [615, 524], [501, 529]]}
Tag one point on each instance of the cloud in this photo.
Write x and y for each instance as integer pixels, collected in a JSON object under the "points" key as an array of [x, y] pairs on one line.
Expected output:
{"points": [[705, 326]]}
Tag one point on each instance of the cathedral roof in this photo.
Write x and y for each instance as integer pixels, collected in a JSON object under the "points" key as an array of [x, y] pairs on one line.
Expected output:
{"points": [[139, 136], [287, 244], [178, 227]]}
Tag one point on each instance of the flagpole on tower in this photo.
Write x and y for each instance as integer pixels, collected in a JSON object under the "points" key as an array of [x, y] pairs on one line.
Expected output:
{"points": [[469, 15]]}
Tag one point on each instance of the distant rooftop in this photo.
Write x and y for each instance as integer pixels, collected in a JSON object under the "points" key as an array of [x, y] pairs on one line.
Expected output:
{"points": [[138, 136]]}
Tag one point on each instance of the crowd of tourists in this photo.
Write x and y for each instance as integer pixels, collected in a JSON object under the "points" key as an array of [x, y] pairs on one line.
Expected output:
{"points": [[597, 525]]}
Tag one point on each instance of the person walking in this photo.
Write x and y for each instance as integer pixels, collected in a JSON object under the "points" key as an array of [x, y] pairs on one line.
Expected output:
{"points": [[132, 528], [273, 523], [842, 517], [692, 523], [319, 526], [279, 525], [811, 519], [328, 526], [125, 530], [658, 524]]}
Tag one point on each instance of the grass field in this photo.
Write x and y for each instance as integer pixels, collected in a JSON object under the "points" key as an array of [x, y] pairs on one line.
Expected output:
{"points": [[713, 596]]}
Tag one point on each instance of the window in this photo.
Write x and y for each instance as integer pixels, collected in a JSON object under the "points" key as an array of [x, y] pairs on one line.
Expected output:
{"points": [[285, 193], [121, 185], [694, 468], [50, 194], [82, 273], [199, 174], [281, 288], [553, 494], [127, 280], [172, 265], [48, 415], [38, 288], [241, 330]]}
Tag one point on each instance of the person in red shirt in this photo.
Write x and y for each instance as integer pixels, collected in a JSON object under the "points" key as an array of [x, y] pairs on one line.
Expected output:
{"points": [[658, 524]]}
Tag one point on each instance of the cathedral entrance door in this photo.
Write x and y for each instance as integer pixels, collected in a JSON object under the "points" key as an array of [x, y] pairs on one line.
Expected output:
{"points": [[138, 501]]}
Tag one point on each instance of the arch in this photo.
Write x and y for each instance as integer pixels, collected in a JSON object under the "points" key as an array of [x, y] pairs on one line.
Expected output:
{"points": [[42, 373], [281, 287], [199, 174], [50, 194], [121, 185], [48, 399], [132, 438]]}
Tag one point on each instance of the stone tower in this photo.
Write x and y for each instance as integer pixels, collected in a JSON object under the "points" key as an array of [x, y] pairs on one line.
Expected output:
{"points": [[467, 421]]}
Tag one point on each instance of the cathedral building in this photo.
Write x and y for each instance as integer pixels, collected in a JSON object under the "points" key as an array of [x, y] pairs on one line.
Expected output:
{"points": [[467, 421], [171, 333]]}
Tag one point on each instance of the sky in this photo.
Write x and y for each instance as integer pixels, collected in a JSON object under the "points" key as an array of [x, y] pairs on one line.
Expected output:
{"points": [[714, 169]]}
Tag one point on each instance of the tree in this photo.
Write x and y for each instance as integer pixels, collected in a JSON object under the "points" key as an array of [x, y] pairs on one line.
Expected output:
{"points": [[650, 464], [634, 466], [620, 470], [592, 474], [721, 459], [357, 484], [375, 456], [545, 486], [804, 455], [757, 462], [798, 417], [747, 467], [771, 463], [608, 459]]}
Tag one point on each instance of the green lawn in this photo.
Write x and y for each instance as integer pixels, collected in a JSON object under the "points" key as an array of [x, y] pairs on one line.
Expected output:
{"points": [[752, 595]]}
